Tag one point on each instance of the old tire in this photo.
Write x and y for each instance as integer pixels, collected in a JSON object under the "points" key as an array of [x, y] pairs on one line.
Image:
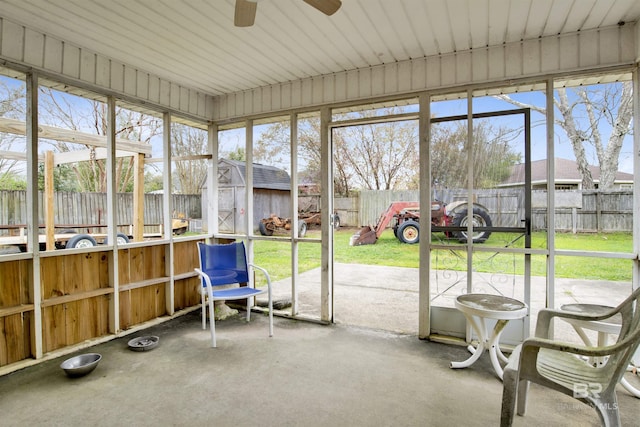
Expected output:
{"points": [[81, 241], [302, 228], [480, 219], [121, 238], [263, 229], [409, 232]]}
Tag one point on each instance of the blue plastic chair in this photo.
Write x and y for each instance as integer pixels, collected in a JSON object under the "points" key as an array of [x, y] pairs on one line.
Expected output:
{"points": [[227, 265]]}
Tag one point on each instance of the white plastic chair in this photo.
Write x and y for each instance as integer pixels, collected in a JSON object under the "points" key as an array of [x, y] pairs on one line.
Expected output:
{"points": [[562, 366], [226, 265]]}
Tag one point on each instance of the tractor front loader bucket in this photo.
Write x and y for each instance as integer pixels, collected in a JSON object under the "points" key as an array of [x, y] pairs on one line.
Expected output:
{"points": [[365, 236]]}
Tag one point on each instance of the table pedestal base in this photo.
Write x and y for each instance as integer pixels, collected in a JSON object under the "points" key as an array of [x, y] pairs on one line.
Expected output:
{"points": [[491, 344]]}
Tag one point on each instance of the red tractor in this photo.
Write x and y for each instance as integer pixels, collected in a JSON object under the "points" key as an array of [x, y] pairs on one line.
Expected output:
{"points": [[407, 222]]}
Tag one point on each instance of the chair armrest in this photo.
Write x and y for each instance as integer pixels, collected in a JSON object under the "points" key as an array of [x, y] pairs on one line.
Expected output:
{"points": [[205, 276], [266, 274], [537, 343], [546, 315]]}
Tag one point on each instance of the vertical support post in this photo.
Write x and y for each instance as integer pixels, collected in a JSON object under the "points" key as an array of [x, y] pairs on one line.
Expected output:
{"points": [[212, 180], [112, 220], [167, 207], [49, 208], [326, 201], [424, 295], [293, 137], [32, 214], [551, 201], [470, 197], [635, 281], [138, 197], [248, 214]]}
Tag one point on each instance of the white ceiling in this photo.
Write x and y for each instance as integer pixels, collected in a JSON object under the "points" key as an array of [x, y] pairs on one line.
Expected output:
{"points": [[194, 42]]}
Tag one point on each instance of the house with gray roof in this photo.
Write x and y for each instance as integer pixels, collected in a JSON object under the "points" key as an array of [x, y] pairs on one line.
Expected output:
{"points": [[567, 176]]}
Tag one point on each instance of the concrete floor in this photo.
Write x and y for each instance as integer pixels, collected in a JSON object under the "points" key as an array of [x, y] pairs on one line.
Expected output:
{"points": [[305, 375]]}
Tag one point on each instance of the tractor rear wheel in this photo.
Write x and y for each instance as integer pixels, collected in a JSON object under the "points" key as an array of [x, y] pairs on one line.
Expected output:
{"points": [[480, 219]]}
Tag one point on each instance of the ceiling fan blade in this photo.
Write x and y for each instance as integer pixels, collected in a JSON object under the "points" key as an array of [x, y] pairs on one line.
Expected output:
{"points": [[328, 7], [245, 14]]}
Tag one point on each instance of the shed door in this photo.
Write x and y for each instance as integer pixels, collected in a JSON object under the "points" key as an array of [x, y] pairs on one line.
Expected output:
{"points": [[226, 202]]}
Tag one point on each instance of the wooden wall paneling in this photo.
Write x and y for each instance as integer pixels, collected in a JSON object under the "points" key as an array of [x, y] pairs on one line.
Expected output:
{"points": [[73, 273], [13, 334], [125, 310], [51, 273], [161, 301], [4, 348], [136, 265], [90, 277], [10, 284], [123, 272], [71, 319], [54, 329], [104, 275]]}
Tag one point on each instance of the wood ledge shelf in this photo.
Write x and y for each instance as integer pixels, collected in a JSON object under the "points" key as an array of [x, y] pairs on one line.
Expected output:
{"points": [[22, 308], [76, 297], [144, 283]]}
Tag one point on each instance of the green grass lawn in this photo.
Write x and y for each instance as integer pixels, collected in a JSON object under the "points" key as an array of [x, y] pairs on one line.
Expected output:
{"points": [[276, 256]]}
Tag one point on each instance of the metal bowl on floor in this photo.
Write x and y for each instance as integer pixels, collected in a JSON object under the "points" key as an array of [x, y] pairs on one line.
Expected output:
{"points": [[144, 343], [81, 365]]}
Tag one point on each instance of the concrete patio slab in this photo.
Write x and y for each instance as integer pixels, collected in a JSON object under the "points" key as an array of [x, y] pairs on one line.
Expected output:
{"points": [[305, 375]]}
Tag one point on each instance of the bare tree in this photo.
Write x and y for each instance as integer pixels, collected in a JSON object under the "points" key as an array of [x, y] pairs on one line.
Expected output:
{"points": [[582, 112], [12, 105], [189, 175], [84, 115]]}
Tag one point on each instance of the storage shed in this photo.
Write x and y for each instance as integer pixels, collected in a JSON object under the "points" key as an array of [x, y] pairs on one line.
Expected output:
{"points": [[271, 194]]}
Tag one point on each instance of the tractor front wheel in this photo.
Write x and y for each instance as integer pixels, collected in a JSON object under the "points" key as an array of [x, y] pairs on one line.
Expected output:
{"points": [[409, 232]]}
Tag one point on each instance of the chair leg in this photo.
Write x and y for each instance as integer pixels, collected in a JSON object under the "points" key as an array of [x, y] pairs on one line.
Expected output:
{"points": [[204, 310], [509, 387], [607, 408], [212, 322], [248, 309], [523, 389], [270, 316]]}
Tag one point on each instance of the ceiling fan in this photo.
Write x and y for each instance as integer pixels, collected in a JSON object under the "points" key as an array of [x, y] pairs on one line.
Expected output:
{"points": [[245, 14]]}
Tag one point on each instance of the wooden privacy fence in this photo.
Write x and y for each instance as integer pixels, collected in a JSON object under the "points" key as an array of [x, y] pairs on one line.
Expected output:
{"points": [[575, 210], [91, 208]]}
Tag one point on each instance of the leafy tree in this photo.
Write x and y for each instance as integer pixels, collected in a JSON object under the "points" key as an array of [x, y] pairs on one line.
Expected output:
{"points": [[237, 154], [492, 155], [152, 182], [586, 114], [64, 178], [12, 181]]}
